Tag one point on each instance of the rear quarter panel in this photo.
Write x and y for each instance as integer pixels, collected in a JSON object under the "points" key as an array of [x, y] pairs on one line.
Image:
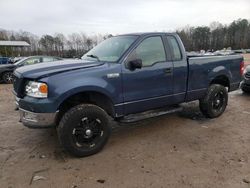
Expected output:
{"points": [[203, 70]]}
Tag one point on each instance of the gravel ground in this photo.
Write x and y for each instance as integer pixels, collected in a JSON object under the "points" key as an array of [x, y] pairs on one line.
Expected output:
{"points": [[177, 150]]}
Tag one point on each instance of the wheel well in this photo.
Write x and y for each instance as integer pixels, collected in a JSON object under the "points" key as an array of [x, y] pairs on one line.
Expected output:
{"points": [[222, 80], [92, 97]]}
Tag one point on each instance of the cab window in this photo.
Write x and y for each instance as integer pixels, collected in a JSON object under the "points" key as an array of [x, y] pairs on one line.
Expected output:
{"points": [[176, 52], [150, 51]]}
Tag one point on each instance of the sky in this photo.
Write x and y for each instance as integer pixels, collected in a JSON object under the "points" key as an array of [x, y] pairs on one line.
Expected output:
{"points": [[115, 16]]}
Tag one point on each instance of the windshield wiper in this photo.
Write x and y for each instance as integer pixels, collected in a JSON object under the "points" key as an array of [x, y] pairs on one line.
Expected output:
{"points": [[93, 56]]}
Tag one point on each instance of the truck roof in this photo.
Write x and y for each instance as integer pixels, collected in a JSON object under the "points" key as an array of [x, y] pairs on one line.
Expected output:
{"points": [[147, 33]]}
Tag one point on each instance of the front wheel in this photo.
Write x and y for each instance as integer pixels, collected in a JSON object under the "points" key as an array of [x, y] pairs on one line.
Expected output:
{"points": [[215, 101], [7, 77], [84, 130]]}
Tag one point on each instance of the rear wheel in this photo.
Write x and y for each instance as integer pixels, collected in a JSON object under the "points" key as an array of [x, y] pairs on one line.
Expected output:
{"points": [[84, 130], [7, 77], [215, 101], [245, 90]]}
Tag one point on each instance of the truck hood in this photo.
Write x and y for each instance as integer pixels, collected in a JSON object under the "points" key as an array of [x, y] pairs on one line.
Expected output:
{"points": [[7, 66], [41, 70]]}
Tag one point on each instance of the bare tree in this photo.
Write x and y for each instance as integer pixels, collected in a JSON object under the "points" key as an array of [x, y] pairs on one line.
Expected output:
{"points": [[217, 36]]}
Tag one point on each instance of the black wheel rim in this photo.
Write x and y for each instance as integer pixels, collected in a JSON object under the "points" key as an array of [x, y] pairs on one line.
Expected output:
{"points": [[88, 133], [8, 77], [218, 101]]}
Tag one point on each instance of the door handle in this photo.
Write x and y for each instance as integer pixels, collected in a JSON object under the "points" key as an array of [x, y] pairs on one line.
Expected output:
{"points": [[168, 70]]}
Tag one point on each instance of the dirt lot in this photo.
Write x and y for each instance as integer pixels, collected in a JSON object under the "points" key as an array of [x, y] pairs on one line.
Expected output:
{"points": [[177, 150]]}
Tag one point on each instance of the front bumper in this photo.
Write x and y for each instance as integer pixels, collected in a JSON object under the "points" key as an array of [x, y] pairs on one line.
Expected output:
{"points": [[37, 120], [17, 103]]}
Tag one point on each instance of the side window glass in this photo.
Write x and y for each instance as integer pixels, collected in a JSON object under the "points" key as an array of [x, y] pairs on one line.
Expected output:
{"points": [[150, 51], [175, 48], [32, 61], [57, 59], [47, 59]]}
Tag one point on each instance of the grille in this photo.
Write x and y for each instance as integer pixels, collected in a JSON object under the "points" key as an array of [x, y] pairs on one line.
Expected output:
{"points": [[18, 85], [15, 83]]}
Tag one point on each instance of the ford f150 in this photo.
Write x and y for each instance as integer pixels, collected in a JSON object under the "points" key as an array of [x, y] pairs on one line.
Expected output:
{"points": [[126, 77]]}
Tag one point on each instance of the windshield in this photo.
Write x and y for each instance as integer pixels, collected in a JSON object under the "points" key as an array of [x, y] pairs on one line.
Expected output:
{"points": [[110, 49], [20, 61]]}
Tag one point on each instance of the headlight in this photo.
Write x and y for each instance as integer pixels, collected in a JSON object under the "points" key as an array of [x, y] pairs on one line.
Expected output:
{"points": [[36, 89]]}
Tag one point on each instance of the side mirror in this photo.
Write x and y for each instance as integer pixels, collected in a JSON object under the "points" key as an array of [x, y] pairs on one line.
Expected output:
{"points": [[135, 64]]}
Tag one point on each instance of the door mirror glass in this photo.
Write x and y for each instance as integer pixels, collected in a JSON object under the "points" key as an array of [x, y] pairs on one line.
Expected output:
{"points": [[135, 64]]}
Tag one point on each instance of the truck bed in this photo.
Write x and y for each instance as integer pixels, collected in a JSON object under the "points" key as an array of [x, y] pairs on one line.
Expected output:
{"points": [[203, 69]]}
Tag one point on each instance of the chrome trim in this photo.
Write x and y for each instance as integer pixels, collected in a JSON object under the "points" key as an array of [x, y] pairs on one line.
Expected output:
{"points": [[38, 120], [16, 105], [152, 98], [17, 99], [113, 75], [16, 102], [217, 56], [197, 90]]}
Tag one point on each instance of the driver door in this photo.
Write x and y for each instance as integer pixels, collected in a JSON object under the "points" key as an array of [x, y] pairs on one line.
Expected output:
{"points": [[152, 85]]}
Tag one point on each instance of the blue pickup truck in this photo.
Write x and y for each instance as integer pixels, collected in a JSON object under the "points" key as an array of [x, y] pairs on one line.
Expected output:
{"points": [[126, 77]]}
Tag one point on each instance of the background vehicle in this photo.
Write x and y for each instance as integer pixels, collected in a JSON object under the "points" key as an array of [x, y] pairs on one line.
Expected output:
{"points": [[4, 60], [128, 77], [245, 85], [6, 71], [16, 59]]}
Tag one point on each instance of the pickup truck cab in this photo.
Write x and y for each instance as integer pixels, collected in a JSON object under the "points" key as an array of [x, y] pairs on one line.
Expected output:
{"points": [[122, 77]]}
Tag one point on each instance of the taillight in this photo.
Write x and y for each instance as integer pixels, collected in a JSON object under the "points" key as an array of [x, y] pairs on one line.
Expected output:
{"points": [[242, 68]]}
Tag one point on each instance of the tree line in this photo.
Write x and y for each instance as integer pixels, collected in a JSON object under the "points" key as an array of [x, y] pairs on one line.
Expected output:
{"points": [[216, 36], [72, 45]]}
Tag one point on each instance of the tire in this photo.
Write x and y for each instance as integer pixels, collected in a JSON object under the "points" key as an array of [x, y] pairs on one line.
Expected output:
{"points": [[245, 90], [7, 77], [215, 101], [84, 130]]}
